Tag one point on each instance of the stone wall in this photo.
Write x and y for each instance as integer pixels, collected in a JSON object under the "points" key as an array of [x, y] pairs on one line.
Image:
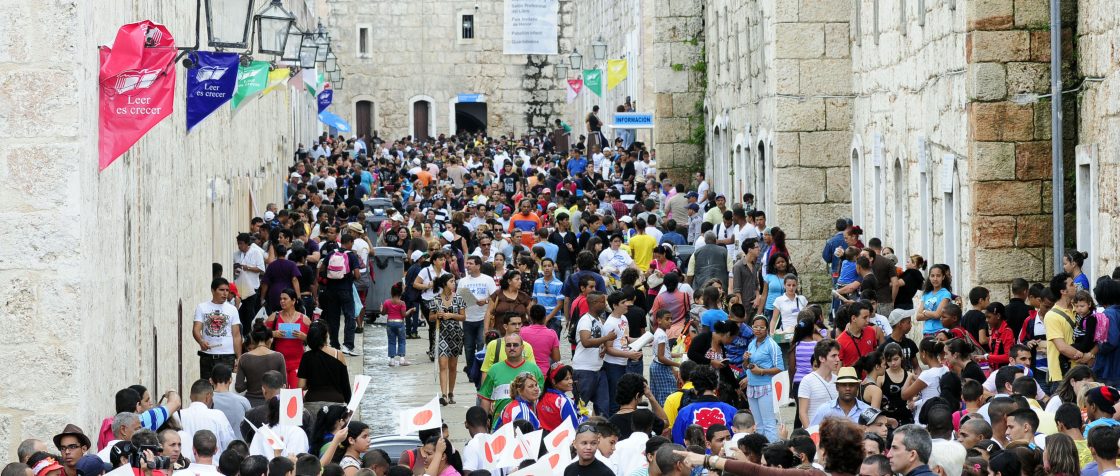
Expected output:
{"points": [[96, 264], [1098, 31], [779, 111], [910, 145], [416, 53], [1008, 51]]}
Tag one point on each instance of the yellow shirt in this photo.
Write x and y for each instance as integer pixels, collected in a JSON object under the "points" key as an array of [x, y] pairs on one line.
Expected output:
{"points": [[673, 403], [1046, 424], [1056, 328], [500, 356], [641, 249]]}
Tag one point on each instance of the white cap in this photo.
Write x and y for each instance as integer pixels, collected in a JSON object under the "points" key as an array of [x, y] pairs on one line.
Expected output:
{"points": [[416, 255], [449, 236], [626, 219], [268, 216]]}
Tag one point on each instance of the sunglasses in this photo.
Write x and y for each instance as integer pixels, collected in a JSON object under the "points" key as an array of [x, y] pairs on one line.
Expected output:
{"points": [[585, 428]]}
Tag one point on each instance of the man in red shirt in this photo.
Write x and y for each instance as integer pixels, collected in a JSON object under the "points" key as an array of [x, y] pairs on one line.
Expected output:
{"points": [[858, 338]]}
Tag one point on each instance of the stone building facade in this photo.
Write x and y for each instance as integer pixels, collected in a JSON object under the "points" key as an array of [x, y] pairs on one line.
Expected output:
{"points": [[409, 68], [920, 119], [97, 266]]}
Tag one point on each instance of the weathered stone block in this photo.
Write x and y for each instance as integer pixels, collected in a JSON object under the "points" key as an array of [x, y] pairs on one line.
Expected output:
{"points": [[684, 8], [795, 115], [1043, 121], [838, 182], [1028, 78], [837, 44], [799, 185], [673, 129], [1032, 13], [991, 14], [673, 82], [32, 118], [1032, 160], [685, 103], [994, 232], [1033, 231], [1002, 265], [799, 40], [997, 46], [787, 76], [786, 12], [826, 77], [664, 107], [838, 114], [818, 221], [1040, 46], [987, 81], [1007, 198], [824, 149], [1001, 122], [993, 161], [824, 10], [788, 217]]}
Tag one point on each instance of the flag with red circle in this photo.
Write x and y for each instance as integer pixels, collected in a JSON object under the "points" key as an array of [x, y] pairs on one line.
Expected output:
{"points": [[361, 383], [291, 407], [422, 418], [560, 438], [501, 447], [781, 389]]}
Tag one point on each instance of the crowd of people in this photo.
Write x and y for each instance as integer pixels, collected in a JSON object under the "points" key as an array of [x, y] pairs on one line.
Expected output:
{"points": [[679, 309]]}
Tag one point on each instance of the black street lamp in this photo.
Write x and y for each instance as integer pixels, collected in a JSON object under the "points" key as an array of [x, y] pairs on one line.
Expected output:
{"points": [[576, 60], [337, 84], [228, 23], [293, 45], [332, 61], [323, 40], [274, 28], [308, 51], [599, 49]]}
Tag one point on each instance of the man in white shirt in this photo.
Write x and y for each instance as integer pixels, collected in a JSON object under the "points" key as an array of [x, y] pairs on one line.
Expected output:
{"points": [[587, 360], [217, 329], [200, 415], [629, 454], [205, 445], [248, 265], [743, 229], [481, 287], [477, 424], [618, 351]]}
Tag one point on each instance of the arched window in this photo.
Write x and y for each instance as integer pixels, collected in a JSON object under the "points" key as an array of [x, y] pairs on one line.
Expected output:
{"points": [[1088, 206], [951, 216], [901, 209], [857, 182]]}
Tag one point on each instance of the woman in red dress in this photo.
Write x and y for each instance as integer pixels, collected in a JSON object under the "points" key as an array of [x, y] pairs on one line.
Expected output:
{"points": [[290, 344]]}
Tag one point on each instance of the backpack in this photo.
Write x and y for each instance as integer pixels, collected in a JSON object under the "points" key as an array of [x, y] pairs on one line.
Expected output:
{"points": [[338, 265], [1101, 334], [687, 396]]}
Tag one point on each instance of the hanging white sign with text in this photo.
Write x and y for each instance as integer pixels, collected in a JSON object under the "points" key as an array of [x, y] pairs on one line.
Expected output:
{"points": [[531, 27]]}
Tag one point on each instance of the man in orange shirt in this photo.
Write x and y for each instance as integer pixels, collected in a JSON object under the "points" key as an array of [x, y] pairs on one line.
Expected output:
{"points": [[526, 221]]}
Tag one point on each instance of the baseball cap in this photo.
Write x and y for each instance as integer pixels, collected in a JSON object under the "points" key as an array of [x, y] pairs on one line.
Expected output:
{"points": [[720, 195], [416, 255], [898, 315], [447, 235], [626, 219], [694, 207], [691, 195], [268, 216]]}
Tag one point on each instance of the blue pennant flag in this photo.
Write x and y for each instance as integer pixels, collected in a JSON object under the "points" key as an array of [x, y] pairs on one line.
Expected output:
{"points": [[332, 119], [325, 99], [210, 84]]}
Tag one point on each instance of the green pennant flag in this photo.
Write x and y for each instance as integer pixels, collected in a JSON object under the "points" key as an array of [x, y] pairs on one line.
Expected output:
{"points": [[250, 81], [593, 79]]}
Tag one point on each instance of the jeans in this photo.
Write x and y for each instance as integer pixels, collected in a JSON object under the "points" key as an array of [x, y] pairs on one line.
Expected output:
{"points": [[206, 363], [396, 338], [763, 410], [613, 372], [591, 387], [636, 366], [473, 340], [412, 322], [337, 304], [308, 304]]}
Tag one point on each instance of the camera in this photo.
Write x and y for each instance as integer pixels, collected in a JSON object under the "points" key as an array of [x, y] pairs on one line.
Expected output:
{"points": [[136, 458]]}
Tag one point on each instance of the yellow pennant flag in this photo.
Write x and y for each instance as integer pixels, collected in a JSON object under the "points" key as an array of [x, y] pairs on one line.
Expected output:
{"points": [[276, 79], [616, 72]]}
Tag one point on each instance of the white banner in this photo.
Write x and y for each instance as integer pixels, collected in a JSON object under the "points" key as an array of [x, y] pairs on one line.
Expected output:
{"points": [[531, 27]]}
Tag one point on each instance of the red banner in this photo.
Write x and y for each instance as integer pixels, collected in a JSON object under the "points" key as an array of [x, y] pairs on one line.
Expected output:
{"points": [[137, 87]]}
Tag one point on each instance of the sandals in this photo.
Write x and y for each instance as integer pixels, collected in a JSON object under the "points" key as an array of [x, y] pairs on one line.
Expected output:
{"points": [[451, 398], [443, 400]]}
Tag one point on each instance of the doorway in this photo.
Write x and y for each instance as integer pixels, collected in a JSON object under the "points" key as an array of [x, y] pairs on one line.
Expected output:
{"points": [[421, 111], [470, 117], [363, 112]]}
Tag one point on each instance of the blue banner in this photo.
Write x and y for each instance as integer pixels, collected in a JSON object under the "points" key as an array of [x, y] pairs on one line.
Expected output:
{"points": [[331, 119], [210, 84], [325, 98], [633, 120]]}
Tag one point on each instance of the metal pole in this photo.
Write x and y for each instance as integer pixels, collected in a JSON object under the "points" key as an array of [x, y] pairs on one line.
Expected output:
{"points": [[1057, 173]]}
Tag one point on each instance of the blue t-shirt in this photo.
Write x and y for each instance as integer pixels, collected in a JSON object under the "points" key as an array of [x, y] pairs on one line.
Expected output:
{"points": [[577, 166], [1082, 282], [774, 288], [710, 317], [930, 302], [766, 355], [547, 294], [848, 274], [550, 249]]}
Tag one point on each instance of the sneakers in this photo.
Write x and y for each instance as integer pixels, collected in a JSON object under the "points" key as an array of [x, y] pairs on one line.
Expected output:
{"points": [[403, 362], [348, 350], [393, 362]]}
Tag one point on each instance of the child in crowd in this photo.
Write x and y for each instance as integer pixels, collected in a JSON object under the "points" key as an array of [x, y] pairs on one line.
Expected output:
{"points": [[395, 313]]}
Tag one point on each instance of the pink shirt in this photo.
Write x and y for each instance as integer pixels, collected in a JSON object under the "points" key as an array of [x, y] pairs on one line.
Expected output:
{"points": [[543, 341]]}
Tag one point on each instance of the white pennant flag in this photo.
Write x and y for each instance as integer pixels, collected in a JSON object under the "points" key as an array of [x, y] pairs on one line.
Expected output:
{"points": [[422, 418], [540, 468], [560, 438], [291, 407], [574, 88], [781, 389], [532, 443], [273, 440], [557, 460]]}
